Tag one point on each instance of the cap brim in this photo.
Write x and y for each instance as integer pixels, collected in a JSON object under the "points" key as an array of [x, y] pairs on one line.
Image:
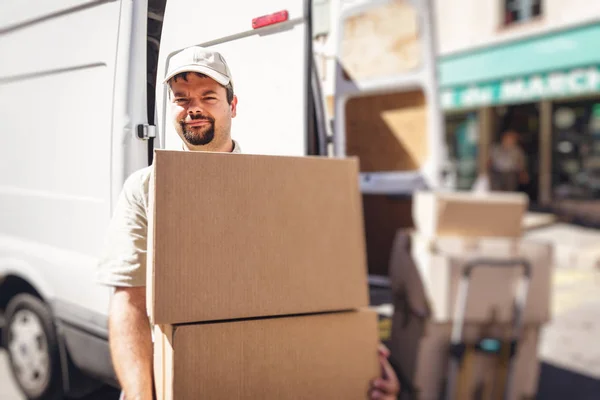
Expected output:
{"points": [[211, 73]]}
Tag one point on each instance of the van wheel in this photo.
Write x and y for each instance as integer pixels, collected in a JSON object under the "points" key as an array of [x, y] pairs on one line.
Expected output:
{"points": [[31, 341]]}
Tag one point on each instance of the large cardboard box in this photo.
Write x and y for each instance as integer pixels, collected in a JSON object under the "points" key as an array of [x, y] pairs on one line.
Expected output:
{"points": [[430, 271], [469, 214], [241, 236], [326, 356]]}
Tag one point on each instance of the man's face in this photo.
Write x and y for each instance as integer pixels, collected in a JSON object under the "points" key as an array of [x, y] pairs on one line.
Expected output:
{"points": [[200, 111]]}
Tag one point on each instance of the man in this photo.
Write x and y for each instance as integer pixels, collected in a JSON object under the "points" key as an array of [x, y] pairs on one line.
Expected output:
{"points": [[202, 106], [507, 164]]}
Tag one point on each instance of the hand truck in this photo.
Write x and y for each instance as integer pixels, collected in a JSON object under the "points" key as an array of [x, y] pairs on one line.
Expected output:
{"points": [[458, 346]]}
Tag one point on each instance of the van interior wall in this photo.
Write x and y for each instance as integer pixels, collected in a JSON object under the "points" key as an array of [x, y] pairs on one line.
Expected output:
{"points": [[388, 132], [384, 216]]}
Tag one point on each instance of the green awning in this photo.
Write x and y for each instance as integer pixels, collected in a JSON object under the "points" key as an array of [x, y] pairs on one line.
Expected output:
{"points": [[563, 63]]}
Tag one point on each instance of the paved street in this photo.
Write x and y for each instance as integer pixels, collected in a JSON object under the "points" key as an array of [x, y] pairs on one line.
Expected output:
{"points": [[9, 391], [569, 346]]}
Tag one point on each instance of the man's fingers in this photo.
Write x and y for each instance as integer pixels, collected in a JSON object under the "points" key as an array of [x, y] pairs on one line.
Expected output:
{"points": [[384, 386], [378, 395], [390, 383], [383, 351]]}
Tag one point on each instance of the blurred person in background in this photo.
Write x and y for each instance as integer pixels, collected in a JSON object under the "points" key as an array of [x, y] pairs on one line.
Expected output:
{"points": [[507, 167]]}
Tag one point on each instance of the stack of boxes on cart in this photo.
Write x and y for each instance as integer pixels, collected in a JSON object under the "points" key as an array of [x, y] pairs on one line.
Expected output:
{"points": [[427, 265], [257, 278]]}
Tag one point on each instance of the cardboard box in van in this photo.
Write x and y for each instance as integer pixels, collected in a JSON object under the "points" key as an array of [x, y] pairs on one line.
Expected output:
{"points": [[468, 214], [240, 236], [324, 356]]}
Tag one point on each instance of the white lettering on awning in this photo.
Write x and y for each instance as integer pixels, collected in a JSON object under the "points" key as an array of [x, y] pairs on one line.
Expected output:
{"points": [[537, 87], [576, 81], [513, 90], [477, 96], [556, 83], [593, 76], [447, 98]]}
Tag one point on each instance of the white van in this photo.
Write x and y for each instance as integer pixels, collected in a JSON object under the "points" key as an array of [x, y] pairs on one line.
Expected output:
{"points": [[79, 103]]}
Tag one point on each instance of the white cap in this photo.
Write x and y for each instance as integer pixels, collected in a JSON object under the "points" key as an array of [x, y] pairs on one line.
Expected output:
{"points": [[199, 59]]}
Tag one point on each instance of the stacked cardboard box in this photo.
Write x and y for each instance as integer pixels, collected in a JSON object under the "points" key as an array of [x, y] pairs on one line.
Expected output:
{"points": [[257, 278], [426, 266]]}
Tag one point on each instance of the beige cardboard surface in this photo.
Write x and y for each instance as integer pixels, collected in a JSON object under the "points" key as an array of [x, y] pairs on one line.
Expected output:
{"points": [[467, 214], [439, 264], [388, 132], [238, 236], [327, 356]]}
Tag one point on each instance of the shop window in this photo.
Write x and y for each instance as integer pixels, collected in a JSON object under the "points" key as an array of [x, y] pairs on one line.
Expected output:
{"points": [[576, 150], [518, 11], [462, 140]]}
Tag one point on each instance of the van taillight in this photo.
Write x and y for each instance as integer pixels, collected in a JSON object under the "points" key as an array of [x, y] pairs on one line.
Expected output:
{"points": [[270, 19]]}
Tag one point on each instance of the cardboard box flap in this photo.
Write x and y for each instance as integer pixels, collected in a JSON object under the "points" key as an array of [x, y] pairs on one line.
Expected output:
{"points": [[239, 236], [468, 214]]}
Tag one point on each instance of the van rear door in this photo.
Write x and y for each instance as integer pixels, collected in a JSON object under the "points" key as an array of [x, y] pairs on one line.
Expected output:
{"points": [[269, 63], [387, 110]]}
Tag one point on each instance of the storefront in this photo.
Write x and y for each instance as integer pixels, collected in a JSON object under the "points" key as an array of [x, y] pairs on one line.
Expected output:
{"points": [[547, 88]]}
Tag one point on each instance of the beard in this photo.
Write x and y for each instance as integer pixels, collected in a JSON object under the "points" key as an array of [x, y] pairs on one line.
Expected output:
{"points": [[199, 136]]}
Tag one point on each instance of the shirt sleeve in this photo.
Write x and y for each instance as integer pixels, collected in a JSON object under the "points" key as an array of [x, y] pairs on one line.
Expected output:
{"points": [[123, 261]]}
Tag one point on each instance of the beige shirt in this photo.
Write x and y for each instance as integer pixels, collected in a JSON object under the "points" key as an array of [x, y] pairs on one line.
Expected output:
{"points": [[123, 262]]}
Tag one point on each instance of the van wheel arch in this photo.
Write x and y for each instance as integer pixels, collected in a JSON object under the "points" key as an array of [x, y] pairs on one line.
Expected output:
{"points": [[14, 285]]}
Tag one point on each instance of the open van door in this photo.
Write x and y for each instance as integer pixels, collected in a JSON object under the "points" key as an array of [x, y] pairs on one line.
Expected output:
{"points": [[387, 110], [268, 47]]}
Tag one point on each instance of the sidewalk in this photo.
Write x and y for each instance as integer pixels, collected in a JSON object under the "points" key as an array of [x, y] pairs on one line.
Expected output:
{"points": [[569, 346]]}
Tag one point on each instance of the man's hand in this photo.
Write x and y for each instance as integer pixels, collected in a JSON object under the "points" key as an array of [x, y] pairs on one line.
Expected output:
{"points": [[387, 386], [130, 342]]}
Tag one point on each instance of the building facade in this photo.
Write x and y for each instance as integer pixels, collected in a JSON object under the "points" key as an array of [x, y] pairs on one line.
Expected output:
{"points": [[532, 66]]}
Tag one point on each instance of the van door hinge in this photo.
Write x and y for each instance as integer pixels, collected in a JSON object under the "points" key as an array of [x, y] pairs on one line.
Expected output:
{"points": [[145, 131]]}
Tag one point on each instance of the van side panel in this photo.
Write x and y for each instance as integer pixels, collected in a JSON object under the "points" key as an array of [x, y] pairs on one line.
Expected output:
{"points": [[17, 13], [56, 96], [268, 68]]}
